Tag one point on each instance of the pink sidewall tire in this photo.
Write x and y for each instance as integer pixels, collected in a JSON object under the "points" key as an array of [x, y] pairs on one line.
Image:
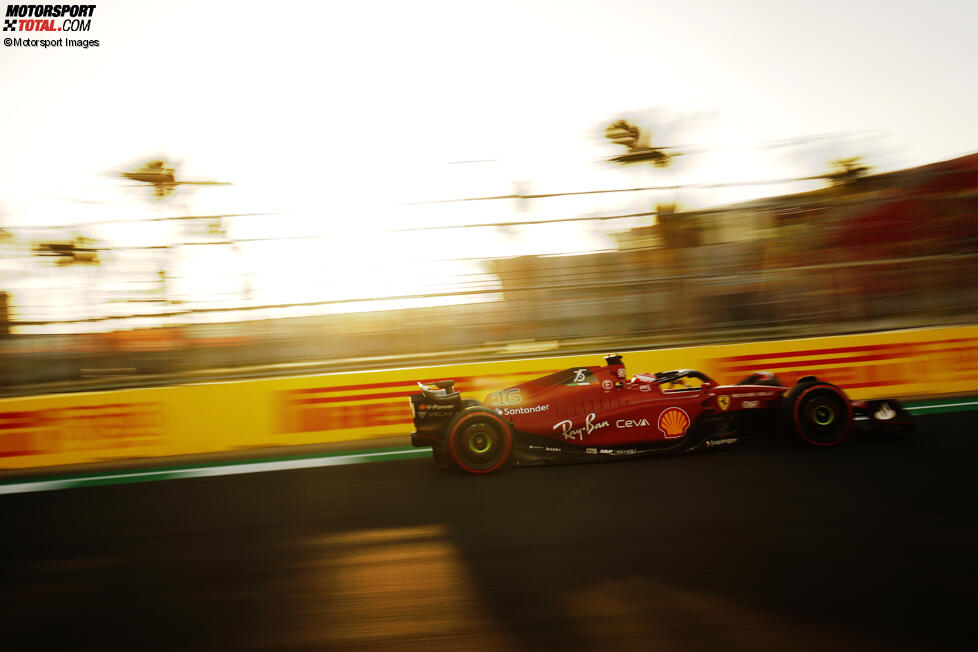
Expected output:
{"points": [[479, 441], [817, 412]]}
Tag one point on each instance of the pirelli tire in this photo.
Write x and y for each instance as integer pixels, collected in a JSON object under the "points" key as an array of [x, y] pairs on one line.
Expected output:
{"points": [[478, 440], [817, 412]]}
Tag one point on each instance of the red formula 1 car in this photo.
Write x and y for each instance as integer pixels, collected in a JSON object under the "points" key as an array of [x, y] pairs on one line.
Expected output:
{"points": [[594, 413]]}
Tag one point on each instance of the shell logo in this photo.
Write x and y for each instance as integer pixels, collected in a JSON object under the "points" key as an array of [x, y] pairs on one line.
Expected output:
{"points": [[673, 422]]}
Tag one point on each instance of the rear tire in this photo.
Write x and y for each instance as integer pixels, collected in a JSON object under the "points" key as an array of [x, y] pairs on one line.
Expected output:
{"points": [[818, 412], [478, 440]]}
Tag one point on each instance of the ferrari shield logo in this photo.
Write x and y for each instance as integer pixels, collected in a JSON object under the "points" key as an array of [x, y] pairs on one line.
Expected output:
{"points": [[723, 402]]}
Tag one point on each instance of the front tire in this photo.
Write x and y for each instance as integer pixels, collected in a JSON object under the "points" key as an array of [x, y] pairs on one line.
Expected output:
{"points": [[478, 440], [818, 412]]}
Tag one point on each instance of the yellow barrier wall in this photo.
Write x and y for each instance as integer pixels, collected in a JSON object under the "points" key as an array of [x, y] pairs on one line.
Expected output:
{"points": [[62, 429]]}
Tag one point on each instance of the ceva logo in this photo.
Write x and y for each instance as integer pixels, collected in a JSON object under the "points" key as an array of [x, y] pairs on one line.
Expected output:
{"points": [[630, 423]]}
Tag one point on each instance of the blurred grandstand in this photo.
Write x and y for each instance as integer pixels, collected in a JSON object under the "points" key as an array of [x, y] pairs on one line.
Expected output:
{"points": [[877, 252]]}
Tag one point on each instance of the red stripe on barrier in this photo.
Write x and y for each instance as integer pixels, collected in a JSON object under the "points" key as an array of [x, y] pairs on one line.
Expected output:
{"points": [[844, 349], [463, 384], [17, 453], [460, 381], [349, 397], [348, 388], [819, 361], [19, 424], [342, 417], [874, 383]]}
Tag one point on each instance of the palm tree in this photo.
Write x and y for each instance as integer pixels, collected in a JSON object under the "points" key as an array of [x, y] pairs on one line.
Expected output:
{"points": [[637, 145], [79, 251], [846, 170]]}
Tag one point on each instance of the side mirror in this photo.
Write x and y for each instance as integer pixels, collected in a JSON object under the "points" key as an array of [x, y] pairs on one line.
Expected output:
{"points": [[706, 387]]}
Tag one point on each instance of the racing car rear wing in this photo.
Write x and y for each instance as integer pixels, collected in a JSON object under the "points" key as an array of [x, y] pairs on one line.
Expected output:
{"points": [[431, 407], [440, 389]]}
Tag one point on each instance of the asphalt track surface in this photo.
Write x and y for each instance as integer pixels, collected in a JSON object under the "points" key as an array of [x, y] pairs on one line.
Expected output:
{"points": [[871, 546]]}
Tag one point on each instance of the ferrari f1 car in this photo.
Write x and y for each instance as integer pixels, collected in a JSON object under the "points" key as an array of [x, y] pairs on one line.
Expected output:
{"points": [[596, 413]]}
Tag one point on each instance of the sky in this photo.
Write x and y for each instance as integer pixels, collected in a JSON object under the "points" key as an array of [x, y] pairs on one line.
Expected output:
{"points": [[337, 115]]}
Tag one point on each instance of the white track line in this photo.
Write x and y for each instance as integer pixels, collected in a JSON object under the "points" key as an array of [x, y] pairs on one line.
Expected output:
{"points": [[943, 405], [207, 471]]}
